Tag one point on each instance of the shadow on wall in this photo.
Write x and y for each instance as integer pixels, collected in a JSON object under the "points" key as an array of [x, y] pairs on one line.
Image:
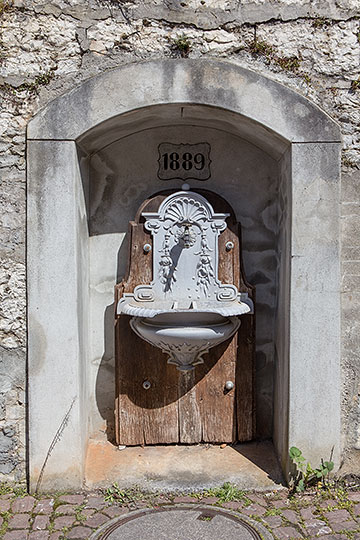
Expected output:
{"points": [[105, 387]]}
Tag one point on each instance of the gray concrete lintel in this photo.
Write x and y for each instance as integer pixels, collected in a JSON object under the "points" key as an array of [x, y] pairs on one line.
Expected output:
{"points": [[220, 84]]}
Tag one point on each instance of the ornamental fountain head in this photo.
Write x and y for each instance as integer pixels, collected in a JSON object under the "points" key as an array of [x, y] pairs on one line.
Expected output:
{"points": [[185, 310]]}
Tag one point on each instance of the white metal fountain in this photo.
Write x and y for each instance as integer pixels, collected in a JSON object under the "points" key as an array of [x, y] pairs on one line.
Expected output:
{"points": [[185, 310]]}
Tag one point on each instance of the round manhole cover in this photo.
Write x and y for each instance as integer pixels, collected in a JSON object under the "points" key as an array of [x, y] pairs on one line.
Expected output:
{"points": [[182, 523]]}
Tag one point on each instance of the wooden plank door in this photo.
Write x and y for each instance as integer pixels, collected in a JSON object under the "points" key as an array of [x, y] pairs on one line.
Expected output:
{"points": [[156, 403]]}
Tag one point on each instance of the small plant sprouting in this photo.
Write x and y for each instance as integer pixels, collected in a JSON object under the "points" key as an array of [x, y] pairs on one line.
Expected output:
{"points": [[228, 492], [319, 22], [347, 162], [5, 5], [79, 516], [287, 63], [273, 512], [306, 475], [355, 84], [306, 77], [183, 45], [203, 517], [32, 87], [18, 490], [40, 80], [122, 496], [261, 47]]}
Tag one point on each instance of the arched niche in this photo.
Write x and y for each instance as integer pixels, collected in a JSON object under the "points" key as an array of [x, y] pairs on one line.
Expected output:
{"points": [[77, 147]]}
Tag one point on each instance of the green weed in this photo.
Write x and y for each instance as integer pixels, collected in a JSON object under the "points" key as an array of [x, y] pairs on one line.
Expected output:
{"points": [[123, 496], [306, 475], [273, 512], [319, 22], [287, 63], [183, 45], [355, 84], [17, 490], [78, 513], [228, 492], [5, 5]]}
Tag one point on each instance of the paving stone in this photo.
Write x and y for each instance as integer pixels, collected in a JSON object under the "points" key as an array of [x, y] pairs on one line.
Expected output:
{"points": [[45, 506], [56, 535], [4, 505], [162, 499], [39, 535], [68, 509], [287, 532], [341, 520], [96, 520], [1, 521], [16, 535], [114, 511], [73, 499], [254, 509], [290, 515], [23, 504], [334, 537], [87, 512], [348, 525], [185, 499], [279, 503], [19, 521], [96, 502], [78, 533], [63, 521], [316, 526], [209, 500], [356, 509], [258, 499], [141, 504], [307, 513], [354, 496], [337, 516], [273, 521], [327, 503], [233, 505], [41, 522]]}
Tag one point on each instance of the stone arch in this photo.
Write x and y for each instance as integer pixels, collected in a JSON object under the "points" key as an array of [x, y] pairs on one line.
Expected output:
{"points": [[217, 94]]}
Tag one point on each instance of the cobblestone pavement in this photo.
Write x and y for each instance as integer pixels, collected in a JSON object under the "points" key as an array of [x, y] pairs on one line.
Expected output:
{"points": [[328, 515]]}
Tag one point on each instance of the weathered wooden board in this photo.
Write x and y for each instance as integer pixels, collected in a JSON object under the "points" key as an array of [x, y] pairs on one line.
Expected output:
{"points": [[183, 407]]}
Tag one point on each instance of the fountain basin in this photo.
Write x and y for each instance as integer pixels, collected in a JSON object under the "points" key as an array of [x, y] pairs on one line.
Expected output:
{"points": [[186, 336]]}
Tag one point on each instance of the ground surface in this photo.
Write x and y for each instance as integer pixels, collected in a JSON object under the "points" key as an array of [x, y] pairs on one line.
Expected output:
{"points": [[181, 467], [327, 514]]}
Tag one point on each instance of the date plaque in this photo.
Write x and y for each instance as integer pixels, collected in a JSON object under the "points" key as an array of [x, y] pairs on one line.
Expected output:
{"points": [[184, 161]]}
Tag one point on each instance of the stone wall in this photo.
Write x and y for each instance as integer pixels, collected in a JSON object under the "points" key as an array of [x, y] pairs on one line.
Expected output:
{"points": [[47, 48]]}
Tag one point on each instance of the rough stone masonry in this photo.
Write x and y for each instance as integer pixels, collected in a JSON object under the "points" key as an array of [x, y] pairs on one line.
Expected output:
{"points": [[47, 48]]}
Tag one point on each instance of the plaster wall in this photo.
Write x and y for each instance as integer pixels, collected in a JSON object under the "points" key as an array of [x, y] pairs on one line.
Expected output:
{"points": [[122, 175]]}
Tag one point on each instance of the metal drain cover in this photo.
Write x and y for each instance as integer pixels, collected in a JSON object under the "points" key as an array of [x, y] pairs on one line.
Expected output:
{"points": [[182, 522]]}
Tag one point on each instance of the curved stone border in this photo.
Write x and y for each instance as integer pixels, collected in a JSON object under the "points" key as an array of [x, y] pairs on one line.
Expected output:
{"points": [[250, 524], [216, 83]]}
